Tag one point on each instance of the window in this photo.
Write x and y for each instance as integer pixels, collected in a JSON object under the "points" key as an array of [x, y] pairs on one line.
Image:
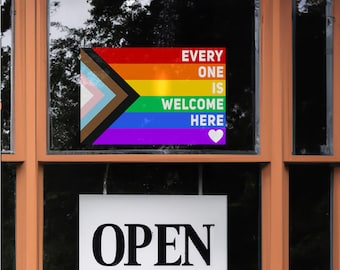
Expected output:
{"points": [[310, 216], [313, 54], [64, 183], [230, 24], [279, 166], [6, 75], [242, 185], [8, 216]]}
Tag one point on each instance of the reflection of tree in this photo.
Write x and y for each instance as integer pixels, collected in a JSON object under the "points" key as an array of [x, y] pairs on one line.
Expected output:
{"points": [[65, 183], [64, 89], [6, 16], [8, 216], [162, 23], [310, 79], [6, 96], [113, 24], [309, 216], [116, 24], [305, 5], [6, 77]]}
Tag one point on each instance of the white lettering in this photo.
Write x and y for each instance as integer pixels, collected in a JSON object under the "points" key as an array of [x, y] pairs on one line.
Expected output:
{"points": [[201, 104], [185, 56], [219, 55], [210, 120], [194, 120], [177, 104], [217, 87], [167, 103], [220, 118], [202, 55], [211, 71], [220, 104], [210, 56]]}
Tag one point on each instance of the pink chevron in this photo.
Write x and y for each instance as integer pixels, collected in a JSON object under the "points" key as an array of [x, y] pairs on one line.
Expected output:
{"points": [[97, 95]]}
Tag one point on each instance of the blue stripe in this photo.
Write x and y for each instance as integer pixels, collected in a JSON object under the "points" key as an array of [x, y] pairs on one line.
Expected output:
{"points": [[169, 120]]}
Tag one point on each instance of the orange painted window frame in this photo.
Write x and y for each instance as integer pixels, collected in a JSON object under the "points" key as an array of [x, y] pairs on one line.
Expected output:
{"points": [[30, 133]]}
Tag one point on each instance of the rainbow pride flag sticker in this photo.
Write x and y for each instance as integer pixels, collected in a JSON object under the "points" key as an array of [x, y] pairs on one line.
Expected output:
{"points": [[153, 96]]}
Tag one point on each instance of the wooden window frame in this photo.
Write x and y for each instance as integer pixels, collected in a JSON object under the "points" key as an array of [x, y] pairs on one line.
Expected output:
{"points": [[30, 133]]}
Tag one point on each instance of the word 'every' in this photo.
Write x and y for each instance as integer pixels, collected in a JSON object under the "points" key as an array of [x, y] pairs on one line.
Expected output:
{"points": [[202, 56]]}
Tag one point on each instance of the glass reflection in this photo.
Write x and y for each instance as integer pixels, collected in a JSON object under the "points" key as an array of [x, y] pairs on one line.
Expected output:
{"points": [[242, 185], [309, 217], [8, 216], [310, 72], [64, 183], [145, 23], [6, 74]]}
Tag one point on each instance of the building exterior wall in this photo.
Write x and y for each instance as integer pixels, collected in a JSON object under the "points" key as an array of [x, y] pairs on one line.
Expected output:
{"points": [[276, 129]]}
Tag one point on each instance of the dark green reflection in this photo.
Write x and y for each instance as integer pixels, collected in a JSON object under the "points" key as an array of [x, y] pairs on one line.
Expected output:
{"points": [[8, 216], [6, 74], [160, 23], [310, 77], [309, 218], [242, 185], [64, 183]]}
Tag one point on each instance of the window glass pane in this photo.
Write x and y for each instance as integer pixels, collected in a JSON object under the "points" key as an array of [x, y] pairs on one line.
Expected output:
{"points": [[218, 23], [309, 218], [8, 216], [6, 73], [241, 184], [63, 184], [311, 70]]}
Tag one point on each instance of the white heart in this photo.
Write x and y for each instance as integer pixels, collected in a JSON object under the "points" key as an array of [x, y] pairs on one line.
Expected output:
{"points": [[215, 135]]}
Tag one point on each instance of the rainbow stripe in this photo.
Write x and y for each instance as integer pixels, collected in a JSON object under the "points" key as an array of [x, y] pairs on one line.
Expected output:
{"points": [[180, 102]]}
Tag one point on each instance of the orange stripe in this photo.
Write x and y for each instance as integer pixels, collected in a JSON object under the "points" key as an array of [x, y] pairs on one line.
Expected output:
{"points": [[169, 71]]}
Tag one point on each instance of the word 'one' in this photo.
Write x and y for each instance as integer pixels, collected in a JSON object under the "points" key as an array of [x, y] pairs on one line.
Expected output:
{"points": [[211, 71]]}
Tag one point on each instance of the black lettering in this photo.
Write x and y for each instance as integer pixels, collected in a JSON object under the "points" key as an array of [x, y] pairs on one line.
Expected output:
{"points": [[97, 244], [202, 249], [132, 230], [162, 244]]}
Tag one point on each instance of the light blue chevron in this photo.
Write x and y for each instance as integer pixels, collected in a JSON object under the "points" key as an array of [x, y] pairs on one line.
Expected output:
{"points": [[108, 94]]}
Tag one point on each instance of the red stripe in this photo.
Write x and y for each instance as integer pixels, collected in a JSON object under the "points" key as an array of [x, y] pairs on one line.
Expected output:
{"points": [[146, 55]]}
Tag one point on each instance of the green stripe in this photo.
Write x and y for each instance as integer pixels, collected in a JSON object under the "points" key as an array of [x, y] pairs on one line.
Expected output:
{"points": [[178, 104]]}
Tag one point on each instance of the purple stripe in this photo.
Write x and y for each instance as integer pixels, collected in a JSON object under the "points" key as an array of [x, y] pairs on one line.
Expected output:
{"points": [[194, 136]]}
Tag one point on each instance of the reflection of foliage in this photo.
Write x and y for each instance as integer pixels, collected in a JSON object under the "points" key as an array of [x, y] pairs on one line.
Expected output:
{"points": [[8, 217], [6, 16], [161, 23], [64, 73], [310, 82], [6, 78], [241, 184], [112, 24], [6, 97], [309, 216], [304, 6], [152, 179], [64, 183], [117, 24], [165, 23]]}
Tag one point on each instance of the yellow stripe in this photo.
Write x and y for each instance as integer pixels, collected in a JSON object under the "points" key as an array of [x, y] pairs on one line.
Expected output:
{"points": [[177, 87]]}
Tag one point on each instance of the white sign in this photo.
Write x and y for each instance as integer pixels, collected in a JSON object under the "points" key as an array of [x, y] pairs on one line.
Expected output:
{"points": [[152, 232]]}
